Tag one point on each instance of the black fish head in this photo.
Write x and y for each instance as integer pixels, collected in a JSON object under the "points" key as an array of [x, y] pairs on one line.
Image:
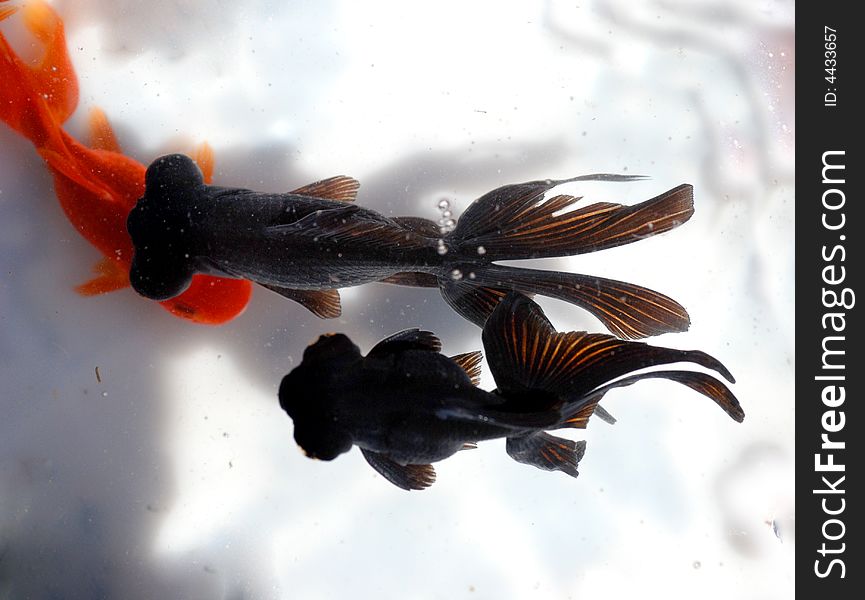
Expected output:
{"points": [[312, 397], [163, 225]]}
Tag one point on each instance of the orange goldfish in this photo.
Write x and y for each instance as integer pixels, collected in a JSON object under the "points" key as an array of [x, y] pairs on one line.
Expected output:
{"points": [[96, 184]]}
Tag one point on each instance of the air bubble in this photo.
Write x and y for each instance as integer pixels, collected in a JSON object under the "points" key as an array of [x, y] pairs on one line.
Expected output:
{"points": [[441, 248], [456, 274]]}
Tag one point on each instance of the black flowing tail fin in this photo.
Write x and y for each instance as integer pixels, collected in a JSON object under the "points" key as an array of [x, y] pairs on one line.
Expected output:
{"points": [[537, 368], [516, 222], [627, 310]]}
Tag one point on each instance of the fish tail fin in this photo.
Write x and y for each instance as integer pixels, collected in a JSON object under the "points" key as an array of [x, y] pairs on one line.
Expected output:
{"points": [[100, 135], [537, 368], [547, 452], [37, 97], [518, 222], [627, 310]]}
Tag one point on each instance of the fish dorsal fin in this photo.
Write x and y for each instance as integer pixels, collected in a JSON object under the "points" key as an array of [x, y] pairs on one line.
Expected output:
{"points": [[470, 362], [526, 354], [349, 224], [407, 477], [410, 339], [412, 279], [322, 303], [420, 225], [340, 188]]}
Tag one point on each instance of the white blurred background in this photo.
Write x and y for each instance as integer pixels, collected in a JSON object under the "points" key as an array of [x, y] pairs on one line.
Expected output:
{"points": [[177, 475]]}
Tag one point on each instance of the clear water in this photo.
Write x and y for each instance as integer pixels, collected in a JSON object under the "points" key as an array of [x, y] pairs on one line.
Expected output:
{"points": [[174, 474]]}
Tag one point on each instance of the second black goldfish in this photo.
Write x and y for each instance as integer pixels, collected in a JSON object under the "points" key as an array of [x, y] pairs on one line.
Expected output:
{"points": [[307, 243], [405, 405]]}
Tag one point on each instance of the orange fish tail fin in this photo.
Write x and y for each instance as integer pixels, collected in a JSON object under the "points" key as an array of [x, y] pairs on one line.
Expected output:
{"points": [[110, 276], [203, 157], [38, 96], [100, 133], [7, 11]]}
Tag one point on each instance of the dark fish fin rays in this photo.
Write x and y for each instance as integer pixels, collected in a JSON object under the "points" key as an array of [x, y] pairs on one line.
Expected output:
{"points": [[412, 279], [629, 311], [703, 383], [419, 225], [322, 303], [407, 477], [470, 362], [409, 339], [340, 188], [525, 355], [349, 224], [472, 302], [547, 452], [516, 222]]}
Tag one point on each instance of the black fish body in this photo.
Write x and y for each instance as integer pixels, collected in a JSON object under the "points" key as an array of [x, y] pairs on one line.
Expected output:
{"points": [[308, 243], [406, 406]]}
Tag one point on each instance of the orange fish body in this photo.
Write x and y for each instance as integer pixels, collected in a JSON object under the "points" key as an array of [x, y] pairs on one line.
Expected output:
{"points": [[97, 185]]}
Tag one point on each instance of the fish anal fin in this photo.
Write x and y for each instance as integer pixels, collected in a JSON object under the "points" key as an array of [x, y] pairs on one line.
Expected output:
{"points": [[407, 477], [470, 362], [203, 157], [547, 452], [324, 304], [409, 339], [341, 187], [110, 277], [100, 135], [580, 419]]}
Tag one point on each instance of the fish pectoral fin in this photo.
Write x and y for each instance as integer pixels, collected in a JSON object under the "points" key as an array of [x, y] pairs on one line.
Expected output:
{"points": [[470, 362], [341, 188], [407, 477], [547, 452], [409, 339], [324, 304], [100, 134], [110, 277]]}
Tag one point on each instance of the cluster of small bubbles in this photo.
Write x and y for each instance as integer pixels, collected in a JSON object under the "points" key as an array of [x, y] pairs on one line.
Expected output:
{"points": [[456, 274], [441, 248], [446, 222], [482, 250]]}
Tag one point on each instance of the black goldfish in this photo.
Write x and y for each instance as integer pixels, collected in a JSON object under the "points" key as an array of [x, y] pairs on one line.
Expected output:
{"points": [[307, 243], [406, 405]]}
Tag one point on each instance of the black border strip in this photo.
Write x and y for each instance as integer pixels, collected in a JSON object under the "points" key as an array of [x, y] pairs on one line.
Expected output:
{"points": [[830, 236]]}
